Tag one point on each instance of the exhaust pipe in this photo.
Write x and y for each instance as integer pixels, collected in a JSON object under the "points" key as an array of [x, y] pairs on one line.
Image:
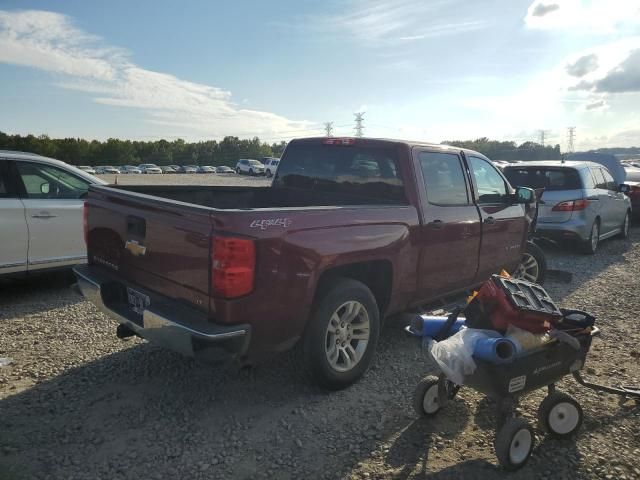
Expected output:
{"points": [[124, 332]]}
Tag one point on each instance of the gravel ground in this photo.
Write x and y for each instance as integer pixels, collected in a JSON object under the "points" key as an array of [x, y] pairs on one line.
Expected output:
{"points": [[77, 403]]}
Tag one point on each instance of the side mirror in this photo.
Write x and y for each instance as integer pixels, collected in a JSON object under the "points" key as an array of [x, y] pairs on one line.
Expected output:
{"points": [[624, 188], [525, 195], [44, 188]]}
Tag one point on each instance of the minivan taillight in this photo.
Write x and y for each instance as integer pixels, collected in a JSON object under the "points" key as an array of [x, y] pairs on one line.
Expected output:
{"points": [[233, 264], [85, 222], [571, 206]]}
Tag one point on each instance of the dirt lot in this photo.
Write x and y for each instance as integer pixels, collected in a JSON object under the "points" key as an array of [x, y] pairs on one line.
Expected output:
{"points": [[76, 402]]}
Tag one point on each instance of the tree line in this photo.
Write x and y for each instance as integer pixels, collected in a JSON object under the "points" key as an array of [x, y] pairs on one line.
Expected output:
{"points": [[77, 151], [113, 151], [497, 150]]}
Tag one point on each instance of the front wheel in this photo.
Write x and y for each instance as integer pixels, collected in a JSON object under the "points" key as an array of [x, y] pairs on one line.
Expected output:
{"points": [[624, 228], [514, 443], [269, 174], [425, 397], [341, 337], [533, 265], [238, 171]]}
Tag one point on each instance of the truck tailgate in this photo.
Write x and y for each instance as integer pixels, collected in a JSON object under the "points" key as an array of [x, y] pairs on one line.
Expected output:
{"points": [[163, 246]]}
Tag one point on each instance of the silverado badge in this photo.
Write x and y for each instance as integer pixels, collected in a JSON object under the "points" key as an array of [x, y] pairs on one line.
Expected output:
{"points": [[135, 248]]}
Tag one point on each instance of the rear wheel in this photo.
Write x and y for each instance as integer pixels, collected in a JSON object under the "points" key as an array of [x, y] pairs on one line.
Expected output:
{"points": [[560, 415], [251, 172], [590, 245], [238, 170], [269, 174], [340, 339], [425, 397], [533, 265]]}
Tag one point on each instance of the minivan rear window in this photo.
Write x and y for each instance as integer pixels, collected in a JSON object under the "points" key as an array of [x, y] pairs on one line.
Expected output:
{"points": [[547, 178], [356, 171]]}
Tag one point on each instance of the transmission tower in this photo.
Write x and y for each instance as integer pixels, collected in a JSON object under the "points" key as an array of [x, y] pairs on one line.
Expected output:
{"points": [[328, 128], [543, 134], [571, 136], [359, 119]]}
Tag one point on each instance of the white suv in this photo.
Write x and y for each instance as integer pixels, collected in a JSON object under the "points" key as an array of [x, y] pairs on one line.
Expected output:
{"points": [[271, 165], [248, 166]]}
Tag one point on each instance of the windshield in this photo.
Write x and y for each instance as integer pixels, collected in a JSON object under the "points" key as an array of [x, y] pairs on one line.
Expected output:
{"points": [[547, 178]]}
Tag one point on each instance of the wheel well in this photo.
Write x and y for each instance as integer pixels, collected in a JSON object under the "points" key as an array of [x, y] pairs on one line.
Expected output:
{"points": [[377, 275]]}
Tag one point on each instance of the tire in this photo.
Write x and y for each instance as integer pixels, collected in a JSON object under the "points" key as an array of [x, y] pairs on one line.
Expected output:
{"points": [[269, 174], [514, 443], [533, 265], [425, 397], [590, 245], [624, 229], [238, 171], [331, 365], [251, 174], [560, 415]]}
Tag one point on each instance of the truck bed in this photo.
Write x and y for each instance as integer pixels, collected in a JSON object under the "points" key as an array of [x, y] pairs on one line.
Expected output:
{"points": [[247, 198]]}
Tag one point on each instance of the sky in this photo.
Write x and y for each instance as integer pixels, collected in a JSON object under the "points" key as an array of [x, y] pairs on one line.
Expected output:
{"points": [[430, 70]]}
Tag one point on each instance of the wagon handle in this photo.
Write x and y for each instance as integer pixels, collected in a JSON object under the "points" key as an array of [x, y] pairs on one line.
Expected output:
{"points": [[626, 391]]}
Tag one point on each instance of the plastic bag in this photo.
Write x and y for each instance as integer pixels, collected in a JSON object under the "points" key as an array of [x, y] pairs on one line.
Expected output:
{"points": [[454, 355]]}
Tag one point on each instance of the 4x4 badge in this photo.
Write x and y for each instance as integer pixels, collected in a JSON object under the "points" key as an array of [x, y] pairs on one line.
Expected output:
{"points": [[135, 248]]}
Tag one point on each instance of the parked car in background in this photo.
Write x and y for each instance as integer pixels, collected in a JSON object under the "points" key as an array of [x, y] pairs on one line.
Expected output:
{"points": [[167, 169], [581, 200], [211, 271], [41, 204], [131, 170], [150, 168], [223, 170], [249, 167], [86, 168], [270, 166], [206, 169], [107, 170], [188, 169]]}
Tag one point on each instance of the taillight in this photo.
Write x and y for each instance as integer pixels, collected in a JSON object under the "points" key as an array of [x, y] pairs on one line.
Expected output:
{"points": [[233, 266], [571, 206], [339, 141], [85, 222]]}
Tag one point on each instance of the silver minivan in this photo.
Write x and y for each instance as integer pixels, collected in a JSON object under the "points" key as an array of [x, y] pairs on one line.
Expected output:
{"points": [[581, 201]]}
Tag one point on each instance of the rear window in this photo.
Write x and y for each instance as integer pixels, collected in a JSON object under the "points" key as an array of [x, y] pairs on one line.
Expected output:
{"points": [[548, 178], [358, 171]]}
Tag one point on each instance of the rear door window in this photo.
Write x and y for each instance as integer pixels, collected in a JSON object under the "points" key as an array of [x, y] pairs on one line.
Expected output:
{"points": [[548, 178], [444, 178], [369, 172]]}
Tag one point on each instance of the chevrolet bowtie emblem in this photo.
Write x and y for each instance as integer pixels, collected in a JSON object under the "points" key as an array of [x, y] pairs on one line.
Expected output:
{"points": [[135, 248]]}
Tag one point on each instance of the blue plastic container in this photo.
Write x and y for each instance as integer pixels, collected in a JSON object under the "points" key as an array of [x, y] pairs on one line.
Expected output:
{"points": [[495, 350]]}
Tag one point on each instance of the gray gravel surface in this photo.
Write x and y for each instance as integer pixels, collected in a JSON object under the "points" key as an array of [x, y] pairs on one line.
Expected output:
{"points": [[77, 403]]}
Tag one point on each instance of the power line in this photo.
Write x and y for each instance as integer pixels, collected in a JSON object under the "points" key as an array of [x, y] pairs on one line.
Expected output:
{"points": [[359, 116], [571, 135], [328, 128]]}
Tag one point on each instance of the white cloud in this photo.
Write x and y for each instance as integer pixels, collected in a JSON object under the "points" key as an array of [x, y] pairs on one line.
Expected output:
{"points": [[49, 41], [596, 16], [392, 22]]}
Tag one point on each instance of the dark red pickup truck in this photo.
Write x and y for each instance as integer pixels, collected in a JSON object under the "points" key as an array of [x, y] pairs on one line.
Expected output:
{"points": [[350, 231]]}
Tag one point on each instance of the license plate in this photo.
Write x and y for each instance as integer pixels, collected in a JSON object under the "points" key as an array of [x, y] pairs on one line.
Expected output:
{"points": [[137, 301]]}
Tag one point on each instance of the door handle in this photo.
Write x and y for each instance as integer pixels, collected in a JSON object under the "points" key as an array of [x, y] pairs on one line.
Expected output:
{"points": [[438, 224], [489, 220], [43, 215]]}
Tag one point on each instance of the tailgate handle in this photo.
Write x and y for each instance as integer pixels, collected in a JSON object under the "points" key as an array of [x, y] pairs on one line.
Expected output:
{"points": [[136, 226], [436, 224]]}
